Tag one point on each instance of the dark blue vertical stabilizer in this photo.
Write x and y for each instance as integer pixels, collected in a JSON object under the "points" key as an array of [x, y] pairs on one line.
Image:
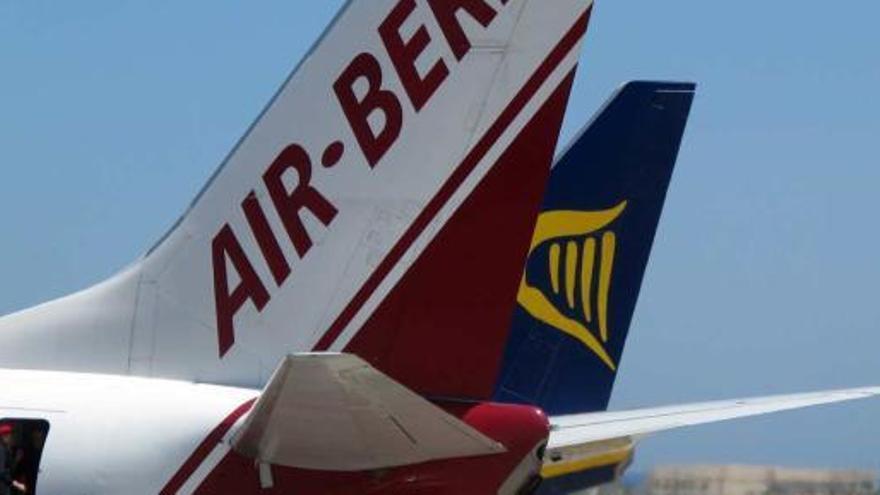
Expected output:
{"points": [[590, 249]]}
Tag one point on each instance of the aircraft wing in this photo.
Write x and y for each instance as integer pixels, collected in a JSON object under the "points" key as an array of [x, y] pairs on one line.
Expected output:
{"points": [[335, 412], [573, 436]]}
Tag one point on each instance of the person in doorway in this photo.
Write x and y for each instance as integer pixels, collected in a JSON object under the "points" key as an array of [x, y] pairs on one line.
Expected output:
{"points": [[28, 457], [8, 486]]}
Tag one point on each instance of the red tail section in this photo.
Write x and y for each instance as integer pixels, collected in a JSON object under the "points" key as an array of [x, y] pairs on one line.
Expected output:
{"points": [[442, 329]]}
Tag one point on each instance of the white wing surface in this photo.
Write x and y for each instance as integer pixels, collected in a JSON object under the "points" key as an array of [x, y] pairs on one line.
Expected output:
{"points": [[606, 439], [581, 429]]}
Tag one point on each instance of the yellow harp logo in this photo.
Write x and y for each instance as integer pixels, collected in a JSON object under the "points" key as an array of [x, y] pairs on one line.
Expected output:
{"points": [[578, 233]]}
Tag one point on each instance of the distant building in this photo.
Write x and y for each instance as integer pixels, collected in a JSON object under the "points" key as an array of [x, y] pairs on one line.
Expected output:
{"points": [[758, 480]]}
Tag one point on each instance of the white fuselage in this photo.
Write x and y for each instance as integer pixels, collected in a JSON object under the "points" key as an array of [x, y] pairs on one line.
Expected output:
{"points": [[112, 434]]}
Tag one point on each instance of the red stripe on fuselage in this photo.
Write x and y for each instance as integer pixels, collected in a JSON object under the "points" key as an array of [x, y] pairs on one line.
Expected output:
{"points": [[455, 180], [204, 449]]}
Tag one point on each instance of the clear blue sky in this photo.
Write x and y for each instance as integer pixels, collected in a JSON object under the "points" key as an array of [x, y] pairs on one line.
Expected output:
{"points": [[764, 275]]}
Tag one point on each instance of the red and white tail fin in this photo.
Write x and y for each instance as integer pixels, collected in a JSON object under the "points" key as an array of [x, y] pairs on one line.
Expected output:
{"points": [[398, 114]]}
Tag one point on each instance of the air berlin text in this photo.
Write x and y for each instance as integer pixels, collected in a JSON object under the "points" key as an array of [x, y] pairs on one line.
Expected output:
{"points": [[357, 107]]}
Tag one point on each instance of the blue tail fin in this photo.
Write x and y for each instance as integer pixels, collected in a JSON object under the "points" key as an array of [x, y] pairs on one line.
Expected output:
{"points": [[590, 249]]}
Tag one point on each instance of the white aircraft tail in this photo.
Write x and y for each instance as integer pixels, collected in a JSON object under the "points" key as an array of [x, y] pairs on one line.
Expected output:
{"points": [[391, 122]]}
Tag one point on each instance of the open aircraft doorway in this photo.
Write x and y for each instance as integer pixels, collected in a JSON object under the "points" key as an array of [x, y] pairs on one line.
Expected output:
{"points": [[21, 447]]}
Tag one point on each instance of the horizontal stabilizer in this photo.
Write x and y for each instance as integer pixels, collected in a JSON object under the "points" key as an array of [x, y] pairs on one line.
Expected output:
{"points": [[335, 412], [579, 429]]}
